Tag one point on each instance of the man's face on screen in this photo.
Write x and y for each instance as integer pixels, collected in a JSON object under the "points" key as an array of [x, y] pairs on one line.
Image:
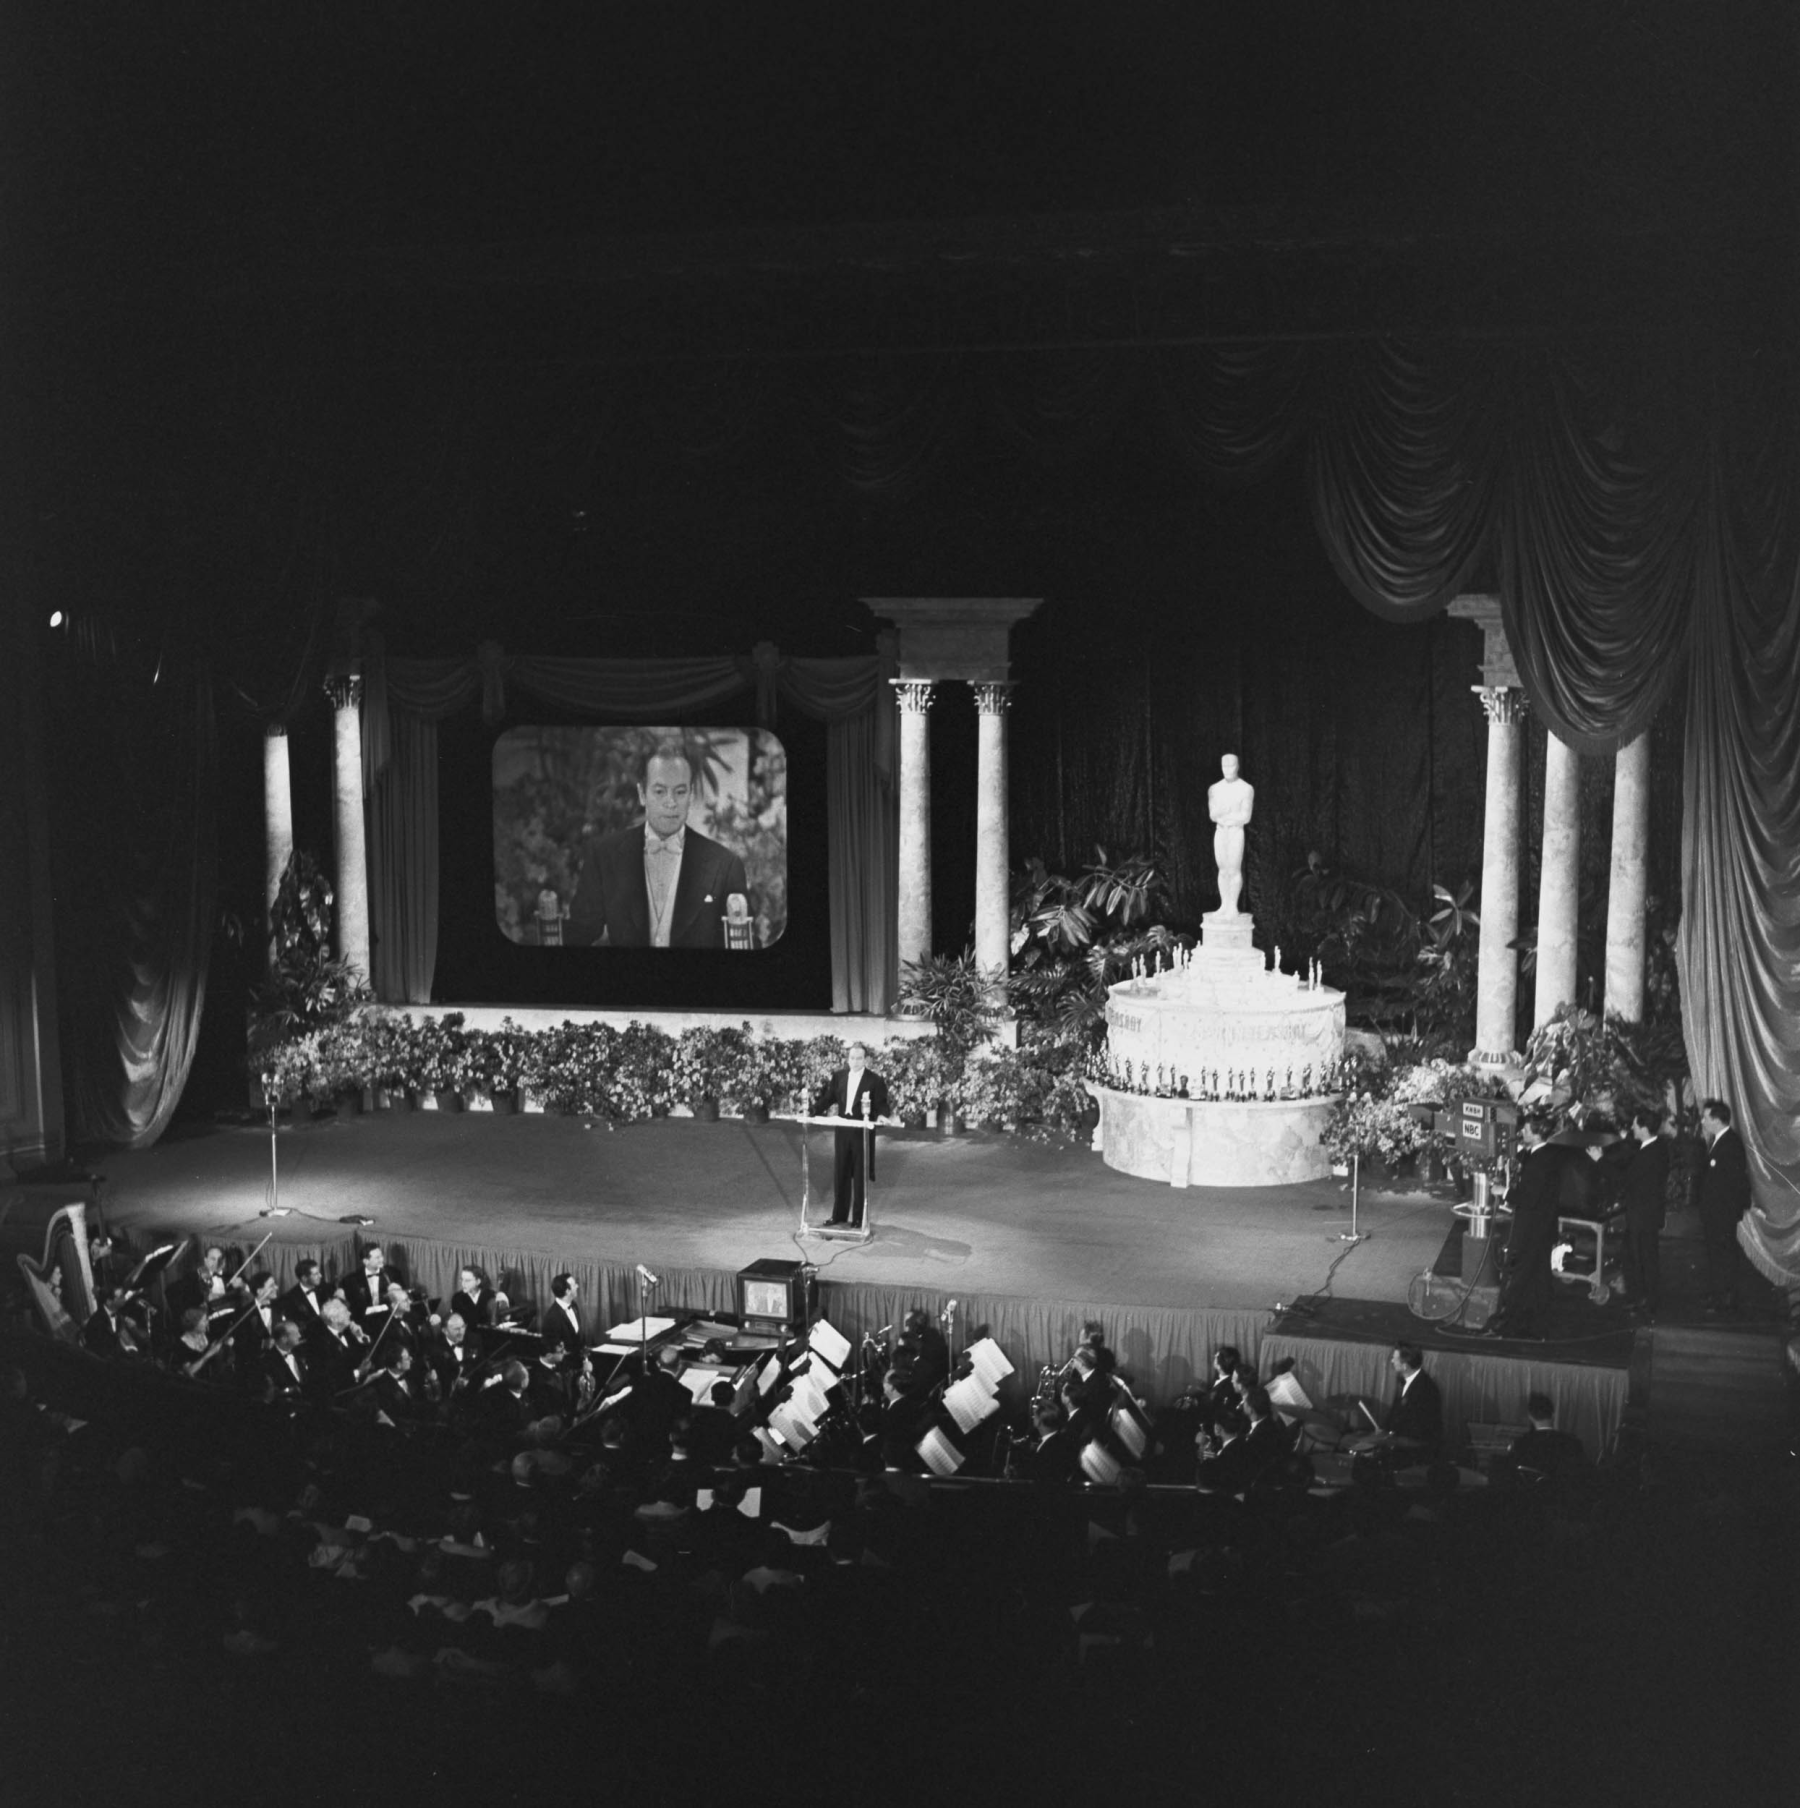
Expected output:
{"points": [[665, 792]]}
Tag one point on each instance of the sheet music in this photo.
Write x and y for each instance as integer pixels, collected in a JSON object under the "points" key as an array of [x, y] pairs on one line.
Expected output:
{"points": [[769, 1375], [1286, 1394], [827, 1341], [615, 1349], [641, 1330], [771, 1448], [1099, 1464], [792, 1427], [808, 1399], [938, 1454], [1128, 1431], [751, 1505], [989, 1361], [969, 1403], [699, 1382]]}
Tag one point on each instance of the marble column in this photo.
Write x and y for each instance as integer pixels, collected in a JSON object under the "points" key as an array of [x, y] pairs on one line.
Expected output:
{"points": [[914, 903], [1559, 882], [345, 692], [278, 817], [1628, 884], [993, 911], [1497, 972]]}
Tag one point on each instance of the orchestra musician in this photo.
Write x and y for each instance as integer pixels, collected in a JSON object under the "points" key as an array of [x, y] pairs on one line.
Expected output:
{"points": [[305, 1300], [1054, 1454], [366, 1294], [285, 1376], [476, 1299], [560, 1325], [112, 1332], [923, 1350], [456, 1359], [193, 1353], [255, 1331], [204, 1285], [336, 1350], [399, 1397]]}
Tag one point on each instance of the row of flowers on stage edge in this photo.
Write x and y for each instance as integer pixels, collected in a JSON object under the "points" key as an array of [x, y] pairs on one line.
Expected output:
{"points": [[628, 1075]]}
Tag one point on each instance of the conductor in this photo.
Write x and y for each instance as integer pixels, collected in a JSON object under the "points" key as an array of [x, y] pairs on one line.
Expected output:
{"points": [[853, 1092]]}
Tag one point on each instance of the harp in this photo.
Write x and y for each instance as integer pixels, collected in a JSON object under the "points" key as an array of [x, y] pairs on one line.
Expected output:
{"points": [[62, 1284]]}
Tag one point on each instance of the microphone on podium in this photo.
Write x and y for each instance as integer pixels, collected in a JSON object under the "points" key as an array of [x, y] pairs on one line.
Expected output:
{"points": [[740, 931]]}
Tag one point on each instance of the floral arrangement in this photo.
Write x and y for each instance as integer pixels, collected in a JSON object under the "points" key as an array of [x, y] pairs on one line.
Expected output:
{"points": [[1369, 1127], [638, 1072]]}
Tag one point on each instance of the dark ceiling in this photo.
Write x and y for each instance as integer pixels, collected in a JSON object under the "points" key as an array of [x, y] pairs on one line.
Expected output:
{"points": [[269, 269]]}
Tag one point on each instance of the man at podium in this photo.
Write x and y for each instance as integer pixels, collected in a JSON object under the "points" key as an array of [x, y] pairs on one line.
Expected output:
{"points": [[854, 1091]]}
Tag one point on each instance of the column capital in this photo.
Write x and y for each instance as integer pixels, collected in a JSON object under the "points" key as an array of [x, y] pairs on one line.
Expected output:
{"points": [[345, 689], [914, 694], [1498, 667], [993, 696], [274, 730], [1502, 702]]}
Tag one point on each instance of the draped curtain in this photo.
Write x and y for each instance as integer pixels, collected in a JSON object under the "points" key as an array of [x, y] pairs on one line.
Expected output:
{"points": [[1631, 542], [143, 877], [405, 699]]}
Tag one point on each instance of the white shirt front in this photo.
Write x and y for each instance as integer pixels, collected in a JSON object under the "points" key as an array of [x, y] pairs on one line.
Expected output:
{"points": [[850, 1085], [662, 873]]}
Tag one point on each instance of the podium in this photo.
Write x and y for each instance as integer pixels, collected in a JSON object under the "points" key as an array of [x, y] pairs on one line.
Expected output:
{"points": [[867, 1127]]}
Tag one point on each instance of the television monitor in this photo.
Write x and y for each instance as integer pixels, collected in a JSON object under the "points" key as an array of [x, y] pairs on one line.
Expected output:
{"points": [[772, 1295]]}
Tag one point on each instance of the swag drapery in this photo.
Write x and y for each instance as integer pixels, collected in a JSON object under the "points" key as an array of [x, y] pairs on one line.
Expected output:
{"points": [[405, 699]]}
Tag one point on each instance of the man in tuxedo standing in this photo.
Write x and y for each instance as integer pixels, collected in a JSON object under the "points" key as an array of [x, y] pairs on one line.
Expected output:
{"points": [[1551, 1183], [854, 1091], [561, 1322], [659, 884], [1643, 1198], [1724, 1199]]}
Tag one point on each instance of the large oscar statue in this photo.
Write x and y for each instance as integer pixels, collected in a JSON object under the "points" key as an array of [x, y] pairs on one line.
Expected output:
{"points": [[1230, 803]]}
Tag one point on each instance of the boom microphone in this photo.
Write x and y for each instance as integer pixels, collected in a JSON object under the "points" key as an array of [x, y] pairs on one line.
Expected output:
{"points": [[649, 1279]]}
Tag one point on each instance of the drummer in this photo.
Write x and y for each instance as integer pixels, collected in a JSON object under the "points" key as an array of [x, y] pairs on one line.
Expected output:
{"points": [[1412, 1429]]}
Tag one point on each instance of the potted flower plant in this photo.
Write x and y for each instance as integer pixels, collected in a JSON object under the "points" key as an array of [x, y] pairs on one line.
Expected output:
{"points": [[700, 1070], [442, 1060]]}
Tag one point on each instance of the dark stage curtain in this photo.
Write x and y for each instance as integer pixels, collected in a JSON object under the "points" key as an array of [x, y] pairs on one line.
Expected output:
{"points": [[405, 699], [139, 888], [1629, 539]]}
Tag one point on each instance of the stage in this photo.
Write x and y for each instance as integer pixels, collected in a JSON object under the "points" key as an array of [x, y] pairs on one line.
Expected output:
{"points": [[1026, 1238]]}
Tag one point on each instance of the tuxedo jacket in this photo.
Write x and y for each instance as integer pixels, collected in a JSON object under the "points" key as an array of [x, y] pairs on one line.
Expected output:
{"points": [[1643, 1197], [331, 1363], [280, 1378], [363, 1299], [253, 1337], [445, 1365], [837, 1091], [1725, 1180], [561, 1329], [302, 1308], [1545, 1189], [612, 899], [1418, 1413]]}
